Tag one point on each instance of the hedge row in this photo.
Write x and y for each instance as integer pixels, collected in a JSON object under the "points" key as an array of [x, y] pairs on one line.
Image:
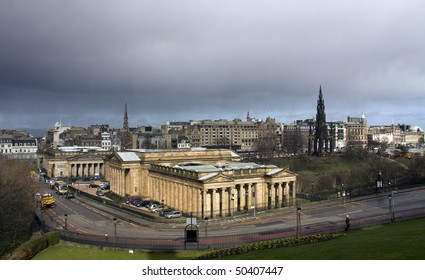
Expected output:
{"points": [[35, 245], [270, 244]]}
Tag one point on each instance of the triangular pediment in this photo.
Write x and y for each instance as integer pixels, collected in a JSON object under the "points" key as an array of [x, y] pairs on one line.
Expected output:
{"points": [[281, 172], [86, 156], [124, 157], [216, 178], [115, 159]]}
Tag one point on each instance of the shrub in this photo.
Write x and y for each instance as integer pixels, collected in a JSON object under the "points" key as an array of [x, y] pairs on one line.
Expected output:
{"points": [[32, 247], [53, 237], [270, 244]]}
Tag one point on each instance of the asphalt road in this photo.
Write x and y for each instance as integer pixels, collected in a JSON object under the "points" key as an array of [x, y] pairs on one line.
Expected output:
{"points": [[89, 217]]}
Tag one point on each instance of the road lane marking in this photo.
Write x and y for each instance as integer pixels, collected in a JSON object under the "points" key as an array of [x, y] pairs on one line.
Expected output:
{"points": [[351, 212]]}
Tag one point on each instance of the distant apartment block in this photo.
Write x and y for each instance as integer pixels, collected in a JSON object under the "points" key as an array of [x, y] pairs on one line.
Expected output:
{"points": [[390, 134], [236, 134], [19, 148], [106, 142], [356, 131], [296, 136]]}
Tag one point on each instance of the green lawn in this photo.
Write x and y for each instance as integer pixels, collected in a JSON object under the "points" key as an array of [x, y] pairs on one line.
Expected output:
{"points": [[397, 241], [76, 252]]}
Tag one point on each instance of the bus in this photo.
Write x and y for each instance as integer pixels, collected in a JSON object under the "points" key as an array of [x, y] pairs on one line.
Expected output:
{"points": [[61, 187]]}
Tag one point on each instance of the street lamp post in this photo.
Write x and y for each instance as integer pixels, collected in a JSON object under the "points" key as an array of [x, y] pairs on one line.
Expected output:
{"points": [[66, 222], [246, 200], [312, 190], [255, 201], [206, 227], [391, 205], [41, 217], [115, 227], [379, 182], [298, 221]]}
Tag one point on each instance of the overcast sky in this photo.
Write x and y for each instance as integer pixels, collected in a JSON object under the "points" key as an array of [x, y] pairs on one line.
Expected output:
{"points": [[81, 61]]}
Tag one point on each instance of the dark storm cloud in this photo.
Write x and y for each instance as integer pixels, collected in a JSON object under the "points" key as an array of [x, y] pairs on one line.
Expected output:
{"points": [[181, 60]]}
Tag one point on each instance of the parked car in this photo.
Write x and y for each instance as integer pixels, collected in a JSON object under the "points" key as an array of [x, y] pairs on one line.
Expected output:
{"points": [[69, 194], [173, 214], [131, 199], [104, 186], [153, 206], [164, 212], [157, 208], [93, 186], [137, 203], [100, 193], [149, 205], [144, 203]]}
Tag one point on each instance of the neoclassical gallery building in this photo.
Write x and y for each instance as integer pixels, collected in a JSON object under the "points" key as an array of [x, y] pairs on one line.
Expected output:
{"points": [[206, 183], [73, 162]]}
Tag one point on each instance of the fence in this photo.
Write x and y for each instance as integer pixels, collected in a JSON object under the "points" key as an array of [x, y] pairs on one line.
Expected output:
{"points": [[206, 242]]}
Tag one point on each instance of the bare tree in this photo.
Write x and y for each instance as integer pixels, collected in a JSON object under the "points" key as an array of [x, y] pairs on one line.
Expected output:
{"points": [[266, 145], [17, 201], [295, 142]]}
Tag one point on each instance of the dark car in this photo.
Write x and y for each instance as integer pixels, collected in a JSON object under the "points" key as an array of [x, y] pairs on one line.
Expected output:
{"points": [[137, 203], [69, 194], [131, 199], [93, 186], [144, 203], [99, 193]]}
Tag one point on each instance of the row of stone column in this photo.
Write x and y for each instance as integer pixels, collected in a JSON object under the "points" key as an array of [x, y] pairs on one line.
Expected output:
{"points": [[117, 179], [280, 194], [176, 195], [85, 169], [224, 201]]}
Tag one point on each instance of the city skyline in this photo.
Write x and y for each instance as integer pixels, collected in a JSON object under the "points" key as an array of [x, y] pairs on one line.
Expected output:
{"points": [[81, 62]]}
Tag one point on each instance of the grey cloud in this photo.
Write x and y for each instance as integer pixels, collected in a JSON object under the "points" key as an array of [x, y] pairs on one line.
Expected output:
{"points": [[205, 59]]}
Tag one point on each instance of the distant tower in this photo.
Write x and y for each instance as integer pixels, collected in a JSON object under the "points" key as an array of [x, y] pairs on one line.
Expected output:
{"points": [[321, 143], [126, 138], [125, 125]]}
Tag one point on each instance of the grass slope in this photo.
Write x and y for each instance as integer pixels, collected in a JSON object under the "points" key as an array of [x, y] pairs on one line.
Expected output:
{"points": [[76, 252], [397, 241]]}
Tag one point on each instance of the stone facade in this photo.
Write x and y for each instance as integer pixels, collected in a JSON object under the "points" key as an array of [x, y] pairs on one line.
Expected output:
{"points": [[356, 131], [72, 164], [206, 183]]}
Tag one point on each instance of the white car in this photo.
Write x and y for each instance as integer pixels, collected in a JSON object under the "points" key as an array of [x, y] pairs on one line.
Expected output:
{"points": [[153, 206], [157, 208], [173, 214]]}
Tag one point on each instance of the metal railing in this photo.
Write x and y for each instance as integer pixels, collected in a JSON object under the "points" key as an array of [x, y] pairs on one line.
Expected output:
{"points": [[206, 242]]}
